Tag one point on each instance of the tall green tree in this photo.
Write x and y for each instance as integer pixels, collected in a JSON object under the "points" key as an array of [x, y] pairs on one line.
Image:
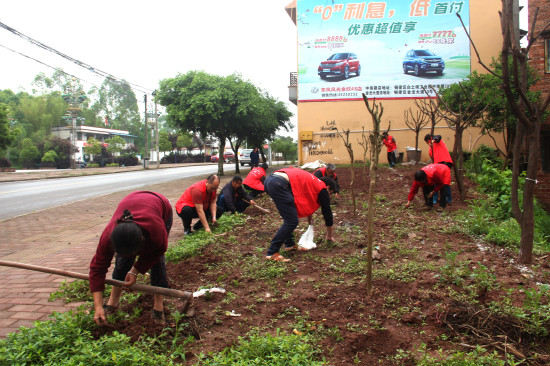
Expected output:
{"points": [[115, 145], [116, 101], [530, 115], [462, 105], [29, 155], [93, 148], [211, 105], [164, 142], [6, 136], [285, 146]]}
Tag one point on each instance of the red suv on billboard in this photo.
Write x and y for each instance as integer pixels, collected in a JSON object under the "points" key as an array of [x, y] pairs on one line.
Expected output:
{"points": [[340, 64]]}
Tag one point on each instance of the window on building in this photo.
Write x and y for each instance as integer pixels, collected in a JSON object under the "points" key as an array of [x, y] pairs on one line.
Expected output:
{"points": [[547, 55], [79, 136]]}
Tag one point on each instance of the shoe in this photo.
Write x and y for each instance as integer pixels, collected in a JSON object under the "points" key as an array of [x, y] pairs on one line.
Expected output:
{"points": [[197, 226], [296, 248], [277, 258], [187, 232], [110, 309], [158, 316]]}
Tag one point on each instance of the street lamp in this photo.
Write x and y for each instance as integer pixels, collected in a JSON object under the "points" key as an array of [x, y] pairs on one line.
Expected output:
{"points": [[74, 96]]}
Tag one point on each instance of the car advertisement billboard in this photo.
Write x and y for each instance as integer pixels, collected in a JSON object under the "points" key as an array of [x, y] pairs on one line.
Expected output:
{"points": [[388, 50]]}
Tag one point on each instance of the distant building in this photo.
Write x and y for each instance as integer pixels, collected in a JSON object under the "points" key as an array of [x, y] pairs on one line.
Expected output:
{"points": [[83, 133], [539, 56]]}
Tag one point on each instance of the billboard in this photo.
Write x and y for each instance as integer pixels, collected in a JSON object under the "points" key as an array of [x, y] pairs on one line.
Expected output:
{"points": [[386, 49]]}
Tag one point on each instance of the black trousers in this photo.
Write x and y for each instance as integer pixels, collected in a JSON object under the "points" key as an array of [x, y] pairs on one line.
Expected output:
{"points": [[158, 271], [189, 213], [445, 192]]}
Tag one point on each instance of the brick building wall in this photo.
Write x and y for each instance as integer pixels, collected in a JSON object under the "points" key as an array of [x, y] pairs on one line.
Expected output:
{"points": [[537, 60], [536, 54]]}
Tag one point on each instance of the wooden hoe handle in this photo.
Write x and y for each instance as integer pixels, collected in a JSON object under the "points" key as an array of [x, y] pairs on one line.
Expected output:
{"points": [[137, 287]]}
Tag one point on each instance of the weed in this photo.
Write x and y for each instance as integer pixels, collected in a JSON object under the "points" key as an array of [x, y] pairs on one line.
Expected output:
{"points": [[358, 328], [405, 271], [483, 279], [453, 271], [264, 270], [192, 245], [72, 291], [278, 349], [229, 296]]}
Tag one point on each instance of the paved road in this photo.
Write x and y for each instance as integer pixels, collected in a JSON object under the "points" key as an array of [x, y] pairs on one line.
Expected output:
{"points": [[18, 198]]}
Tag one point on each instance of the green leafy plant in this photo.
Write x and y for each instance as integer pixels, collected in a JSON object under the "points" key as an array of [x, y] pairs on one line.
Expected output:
{"points": [[192, 245], [67, 340], [267, 349]]}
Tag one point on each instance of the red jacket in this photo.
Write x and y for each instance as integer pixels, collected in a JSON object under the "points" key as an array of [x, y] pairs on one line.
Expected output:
{"points": [[438, 176], [439, 153], [187, 200], [305, 188], [390, 143], [150, 211], [253, 179]]}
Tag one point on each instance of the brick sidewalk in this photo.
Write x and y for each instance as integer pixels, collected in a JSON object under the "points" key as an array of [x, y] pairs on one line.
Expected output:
{"points": [[65, 238]]}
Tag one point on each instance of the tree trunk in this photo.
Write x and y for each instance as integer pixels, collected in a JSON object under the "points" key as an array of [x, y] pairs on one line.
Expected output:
{"points": [[528, 218], [221, 152], [370, 222], [458, 158]]}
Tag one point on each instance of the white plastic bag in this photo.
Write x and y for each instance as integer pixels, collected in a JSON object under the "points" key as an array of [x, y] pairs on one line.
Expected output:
{"points": [[306, 241]]}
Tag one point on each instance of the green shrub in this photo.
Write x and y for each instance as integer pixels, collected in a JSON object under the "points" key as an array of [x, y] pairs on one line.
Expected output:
{"points": [[267, 349], [50, 157], [67, 340], [506, 233], [481, 155], [494, 218]]}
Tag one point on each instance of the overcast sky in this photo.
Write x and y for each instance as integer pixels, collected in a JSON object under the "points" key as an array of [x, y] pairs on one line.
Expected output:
{"points": [[144, 42]]}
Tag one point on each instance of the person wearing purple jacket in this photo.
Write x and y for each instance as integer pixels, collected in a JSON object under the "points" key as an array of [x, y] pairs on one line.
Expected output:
{"points": [[139, 228]]}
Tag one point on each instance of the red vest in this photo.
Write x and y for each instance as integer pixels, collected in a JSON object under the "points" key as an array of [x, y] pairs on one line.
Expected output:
{"points": [[389, 143], [439, 153], [323, 171], [253, 178], [305, 188], [187, 200], [438, 175]]}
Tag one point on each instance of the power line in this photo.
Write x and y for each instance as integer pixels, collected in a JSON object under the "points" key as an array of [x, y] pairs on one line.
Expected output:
{"points": [[45, 64], [78, 62]]}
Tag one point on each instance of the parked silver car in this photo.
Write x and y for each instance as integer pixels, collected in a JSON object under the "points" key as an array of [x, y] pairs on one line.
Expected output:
{"points": [[244, 157]]}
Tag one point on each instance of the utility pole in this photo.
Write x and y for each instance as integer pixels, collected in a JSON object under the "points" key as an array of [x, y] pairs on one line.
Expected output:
{"points": [[74, 96], [146, 157], [156, 128]]}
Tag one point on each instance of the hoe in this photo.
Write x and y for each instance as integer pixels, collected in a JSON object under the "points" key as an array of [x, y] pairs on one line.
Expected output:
{"points": [[185, 299]]}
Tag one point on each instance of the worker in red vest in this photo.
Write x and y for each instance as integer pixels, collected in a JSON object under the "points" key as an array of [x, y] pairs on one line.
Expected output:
{"points": [[297, 193], [199, 201], [254, 181], [329, 171], [432, 178], [438, 150], [391, 145], [440, 155]]}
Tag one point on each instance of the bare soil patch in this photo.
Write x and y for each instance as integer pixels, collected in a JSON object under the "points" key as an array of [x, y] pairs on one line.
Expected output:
{"points": [[325, 289]]}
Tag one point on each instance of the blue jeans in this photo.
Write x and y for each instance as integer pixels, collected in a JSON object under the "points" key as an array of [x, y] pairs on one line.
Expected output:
{"points": [[279, 190]]}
